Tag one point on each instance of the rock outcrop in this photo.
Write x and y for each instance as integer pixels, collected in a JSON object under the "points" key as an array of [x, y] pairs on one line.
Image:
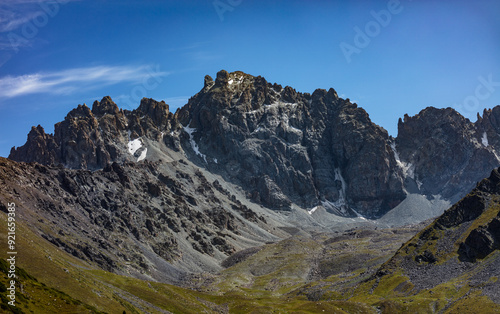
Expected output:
{"points": [[452, 245], [283, 147], [446, 154], [286, 147], [152, 220], [91, 139]]}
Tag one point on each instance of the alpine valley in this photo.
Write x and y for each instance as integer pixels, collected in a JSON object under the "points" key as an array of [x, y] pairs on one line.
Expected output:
{"points": [[254, 198]]}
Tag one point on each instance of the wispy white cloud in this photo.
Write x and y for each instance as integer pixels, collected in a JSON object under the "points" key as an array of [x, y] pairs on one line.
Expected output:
{"points": [[16, 13], [77, 79], [191, 46], [202, 56], [10, 21]]}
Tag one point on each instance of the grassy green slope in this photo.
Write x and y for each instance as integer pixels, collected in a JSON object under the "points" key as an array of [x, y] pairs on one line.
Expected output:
{"points": [[52, 278], [351, 272]]}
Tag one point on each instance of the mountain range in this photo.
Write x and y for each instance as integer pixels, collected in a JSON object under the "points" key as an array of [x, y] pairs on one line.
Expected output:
{"points": [[221, 196]]}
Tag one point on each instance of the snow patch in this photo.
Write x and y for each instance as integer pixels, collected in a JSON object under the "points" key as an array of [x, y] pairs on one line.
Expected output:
{"points": [[195, 147], [312, 210], [419, 184], [134, 145], [407, 167], [143, 155], [236, 80], [294, 130], [340, 205], [484, 139]]}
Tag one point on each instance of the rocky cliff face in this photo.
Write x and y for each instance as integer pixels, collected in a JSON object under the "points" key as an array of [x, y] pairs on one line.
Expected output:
{"points": [[446, 154], [287, 147], [91, 139], [282, 147], [151, 220]]}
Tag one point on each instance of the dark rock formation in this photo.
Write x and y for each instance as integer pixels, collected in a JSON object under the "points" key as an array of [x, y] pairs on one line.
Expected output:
{"points": [[125, 219], [447, 153], [481, 242], [90, 139], [39, 146], [284, 147]]}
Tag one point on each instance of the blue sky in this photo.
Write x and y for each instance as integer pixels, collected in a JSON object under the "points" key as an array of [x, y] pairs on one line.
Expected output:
{"points": [[391, 57]]}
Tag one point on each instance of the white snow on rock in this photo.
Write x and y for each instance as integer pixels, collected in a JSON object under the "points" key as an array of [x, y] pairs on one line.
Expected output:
{"points": [[340, 205], [484, 139], [134, 145], [334, 207], [407, 167], [195, 147], [312, 210], [236, 80], [143, 155]]}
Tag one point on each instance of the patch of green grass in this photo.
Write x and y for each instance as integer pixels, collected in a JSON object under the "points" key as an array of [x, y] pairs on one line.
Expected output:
{"points": [[273, 280], [474, 303], [36, 297]]}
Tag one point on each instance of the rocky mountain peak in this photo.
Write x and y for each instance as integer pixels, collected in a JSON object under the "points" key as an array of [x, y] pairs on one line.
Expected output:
{"points": [[283, 147], [446, 154], [41, 147], [288, 147], [222, 78], [158, 111], [209, 82], [81, 111], [36, 132], [105, 106]]}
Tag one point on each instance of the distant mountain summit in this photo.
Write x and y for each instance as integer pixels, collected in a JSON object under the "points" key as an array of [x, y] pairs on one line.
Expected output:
{"points": [[91, 139], [285, 149]]}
